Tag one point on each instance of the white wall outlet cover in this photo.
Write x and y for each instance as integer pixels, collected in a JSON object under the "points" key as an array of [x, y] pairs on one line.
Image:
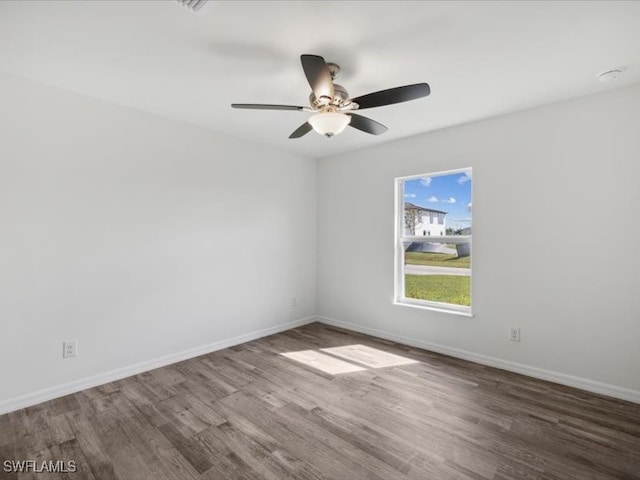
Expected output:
{"points": [[69, 349], [514, 334]]}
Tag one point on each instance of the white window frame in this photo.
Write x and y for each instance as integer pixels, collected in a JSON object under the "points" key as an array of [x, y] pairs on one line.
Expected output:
{"points": [[400, 239]]}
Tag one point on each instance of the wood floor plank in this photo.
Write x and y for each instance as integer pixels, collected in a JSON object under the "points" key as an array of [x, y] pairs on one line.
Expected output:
{"points": [[249, 412]]}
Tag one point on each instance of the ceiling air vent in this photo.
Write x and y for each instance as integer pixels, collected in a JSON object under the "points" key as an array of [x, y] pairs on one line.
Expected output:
{"points": [[193, 5]]}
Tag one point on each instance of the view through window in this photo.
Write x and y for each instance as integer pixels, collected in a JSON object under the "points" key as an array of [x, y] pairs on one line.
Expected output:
{"points": [[433, 240]]}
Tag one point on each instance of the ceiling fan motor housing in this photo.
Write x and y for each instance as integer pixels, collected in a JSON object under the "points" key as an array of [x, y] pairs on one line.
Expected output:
{"points": [[340, 97]]}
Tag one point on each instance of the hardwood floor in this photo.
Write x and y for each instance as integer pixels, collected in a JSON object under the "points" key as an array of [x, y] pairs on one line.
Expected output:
{"points": [[250, 412]]}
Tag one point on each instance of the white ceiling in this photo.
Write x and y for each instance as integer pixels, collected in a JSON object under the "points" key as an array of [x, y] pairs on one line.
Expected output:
{"points": [[481, 58]]}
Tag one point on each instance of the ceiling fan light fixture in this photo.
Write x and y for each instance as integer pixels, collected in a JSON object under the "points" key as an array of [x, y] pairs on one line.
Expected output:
{"points": [[329, 123], [328, 101]]}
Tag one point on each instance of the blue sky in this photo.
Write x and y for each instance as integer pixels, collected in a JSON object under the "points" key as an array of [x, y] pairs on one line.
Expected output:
{"points": [[449, 193]]}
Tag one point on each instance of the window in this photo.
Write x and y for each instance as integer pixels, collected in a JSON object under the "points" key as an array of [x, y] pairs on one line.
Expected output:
{"points": [[434, 272]]}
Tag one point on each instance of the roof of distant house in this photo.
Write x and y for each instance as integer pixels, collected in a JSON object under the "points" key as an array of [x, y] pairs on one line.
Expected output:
{"points": [[411, 206]]}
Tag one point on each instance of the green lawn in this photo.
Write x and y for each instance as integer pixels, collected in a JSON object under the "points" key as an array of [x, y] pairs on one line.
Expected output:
{"points": [[436, 260], [454, 289]]}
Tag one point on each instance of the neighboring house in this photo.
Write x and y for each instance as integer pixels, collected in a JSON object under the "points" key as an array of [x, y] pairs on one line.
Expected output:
{"points": [[424, 222]]}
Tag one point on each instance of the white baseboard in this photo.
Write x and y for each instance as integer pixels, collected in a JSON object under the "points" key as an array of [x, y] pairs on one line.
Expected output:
{"points": [[556, 377], [40, 396]]}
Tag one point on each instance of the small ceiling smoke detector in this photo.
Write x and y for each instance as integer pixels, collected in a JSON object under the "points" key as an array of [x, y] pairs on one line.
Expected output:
{"points": [[193, 5], [609, 76]]}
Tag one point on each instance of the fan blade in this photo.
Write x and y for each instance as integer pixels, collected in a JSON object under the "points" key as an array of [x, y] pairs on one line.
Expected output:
{"points": [[318, 75], [264, 106], [366, 124], [301, 130], [393, 95]]}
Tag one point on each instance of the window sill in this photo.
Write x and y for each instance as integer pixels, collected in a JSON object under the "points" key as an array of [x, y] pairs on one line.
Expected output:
{"points": [[434, 308]]}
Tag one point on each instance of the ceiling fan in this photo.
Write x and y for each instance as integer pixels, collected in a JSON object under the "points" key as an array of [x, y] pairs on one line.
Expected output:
{"points": [[330, 103]]}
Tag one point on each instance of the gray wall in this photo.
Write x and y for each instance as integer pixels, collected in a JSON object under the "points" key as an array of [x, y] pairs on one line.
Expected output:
{"points": [[142, 237], [556, 237], [138, 236]]}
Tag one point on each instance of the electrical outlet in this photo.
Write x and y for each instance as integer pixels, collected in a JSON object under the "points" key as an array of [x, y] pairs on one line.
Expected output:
{"points": [[69, 349], [514, 334], [294, 302]]}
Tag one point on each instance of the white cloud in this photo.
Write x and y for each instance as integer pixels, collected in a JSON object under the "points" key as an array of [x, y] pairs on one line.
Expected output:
{"points": [[425, 181], [432, 199], [464, 178], [409, 195], [449, 200]]}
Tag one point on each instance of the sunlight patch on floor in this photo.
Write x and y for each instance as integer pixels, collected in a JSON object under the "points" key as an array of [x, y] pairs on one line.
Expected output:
{"points": [[369, 356], [348, 358], [323, 362]]}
